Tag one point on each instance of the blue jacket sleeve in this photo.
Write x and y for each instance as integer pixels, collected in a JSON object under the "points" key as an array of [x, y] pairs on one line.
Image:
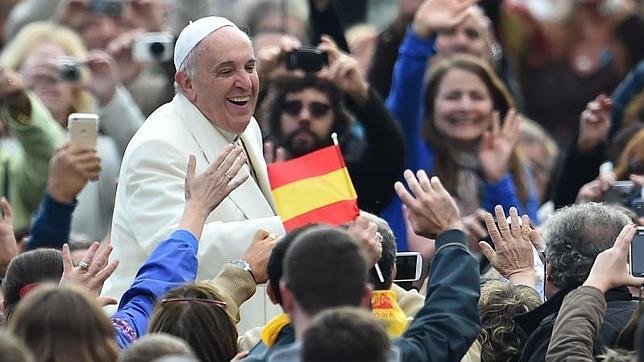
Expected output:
{"points": [[406, 98], [171, 264], [51, 225], [448, 323]]}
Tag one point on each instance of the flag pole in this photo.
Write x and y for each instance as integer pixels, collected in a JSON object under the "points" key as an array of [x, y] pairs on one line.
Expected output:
{"points": [[334, 137]]}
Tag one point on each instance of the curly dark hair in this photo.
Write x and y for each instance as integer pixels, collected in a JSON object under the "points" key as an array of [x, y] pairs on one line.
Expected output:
{"points": [[270, 111], [500, 302]]}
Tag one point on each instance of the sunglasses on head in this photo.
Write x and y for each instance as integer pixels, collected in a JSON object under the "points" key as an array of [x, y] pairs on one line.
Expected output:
{"points": [[317, 109], [198, 300]]}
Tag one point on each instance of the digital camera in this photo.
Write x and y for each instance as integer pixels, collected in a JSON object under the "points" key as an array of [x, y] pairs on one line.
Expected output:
{"points": [[153, 47]]}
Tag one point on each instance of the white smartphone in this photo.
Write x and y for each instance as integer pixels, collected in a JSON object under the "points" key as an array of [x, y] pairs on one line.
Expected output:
{"points": [[153, 47], [83, 129], [409, 266]]}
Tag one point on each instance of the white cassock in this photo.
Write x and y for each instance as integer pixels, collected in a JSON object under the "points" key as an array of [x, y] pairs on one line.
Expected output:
{"points": [[150, 199]]}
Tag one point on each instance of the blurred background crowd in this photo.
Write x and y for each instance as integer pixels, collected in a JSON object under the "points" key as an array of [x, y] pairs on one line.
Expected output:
{"points": [[536, 105]]}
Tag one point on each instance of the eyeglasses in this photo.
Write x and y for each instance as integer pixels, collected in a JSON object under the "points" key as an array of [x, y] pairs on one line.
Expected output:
{"points": [[317, 109], [199, 300]]}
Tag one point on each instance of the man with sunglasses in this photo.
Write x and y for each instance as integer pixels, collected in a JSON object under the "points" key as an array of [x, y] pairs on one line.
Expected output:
{"points": [[303, 112]]}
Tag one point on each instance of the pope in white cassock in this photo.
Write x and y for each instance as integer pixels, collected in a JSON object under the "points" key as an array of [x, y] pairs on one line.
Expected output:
{"points": [[217, 93]]}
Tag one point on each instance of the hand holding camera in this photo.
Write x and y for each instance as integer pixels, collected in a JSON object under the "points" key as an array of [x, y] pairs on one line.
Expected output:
{"points": [[343, 71], [594, 123], [70, 168], [610, 269]]}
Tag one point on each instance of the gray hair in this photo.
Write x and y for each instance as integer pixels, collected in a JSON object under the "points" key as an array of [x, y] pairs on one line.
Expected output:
{"points": [[575, 235], [154, 346]]}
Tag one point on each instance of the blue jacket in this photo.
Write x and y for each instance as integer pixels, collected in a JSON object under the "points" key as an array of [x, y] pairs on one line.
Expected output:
{"points": [[406, 103], [171, 264]]}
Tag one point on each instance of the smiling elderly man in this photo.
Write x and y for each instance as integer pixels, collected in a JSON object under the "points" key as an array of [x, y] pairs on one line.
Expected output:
{"points": [[217, 87]]}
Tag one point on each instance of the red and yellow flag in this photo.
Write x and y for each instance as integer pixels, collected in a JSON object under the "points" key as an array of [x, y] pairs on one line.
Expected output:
{"points": [[314, 188]]}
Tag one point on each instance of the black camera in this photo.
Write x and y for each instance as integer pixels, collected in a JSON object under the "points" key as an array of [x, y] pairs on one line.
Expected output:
{"points": [[70, 70], [306, 59], [112, 8], [627, 194]]}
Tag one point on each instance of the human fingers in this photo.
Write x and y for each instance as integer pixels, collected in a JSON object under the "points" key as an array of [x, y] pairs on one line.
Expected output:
{"points": [[66, 254], [268, 152], [223, 155], [105, 301], [423, 181], [488, 251], [525, 227], [495, 126], [7, 210], [504, 228], [404, 195], [537, 240], [623, 240], [192, 166], [100, 259], [412, 183], [515, 226], [88, 258], [106, 272], [493, 231]]}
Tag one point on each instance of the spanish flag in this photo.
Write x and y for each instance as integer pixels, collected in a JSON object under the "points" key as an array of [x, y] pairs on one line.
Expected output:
{"points": [[314, 188]]}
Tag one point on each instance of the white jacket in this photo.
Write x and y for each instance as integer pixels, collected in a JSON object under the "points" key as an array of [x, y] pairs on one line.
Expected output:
{"points": [[150, 198]]}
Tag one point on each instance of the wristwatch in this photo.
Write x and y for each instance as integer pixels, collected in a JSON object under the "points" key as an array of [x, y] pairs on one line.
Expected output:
{"points": [[241, 263]]}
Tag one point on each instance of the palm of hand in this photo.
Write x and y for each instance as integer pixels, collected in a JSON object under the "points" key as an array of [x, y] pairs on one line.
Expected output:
{"points": [[441, 14], [494, 157]]}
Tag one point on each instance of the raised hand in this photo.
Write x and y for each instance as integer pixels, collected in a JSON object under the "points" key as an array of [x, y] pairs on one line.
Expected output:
{"points": [[474, 227], [366, 232], [120, 49], [344, 71], [206, 191], [8, 245], [10, 83], [273, 154], [70, 168], [497, 145], [258, 253], [431, 209], [610, 269], [92, 271], [513, 257], [104, 76], [434, 15], [594, 123]]}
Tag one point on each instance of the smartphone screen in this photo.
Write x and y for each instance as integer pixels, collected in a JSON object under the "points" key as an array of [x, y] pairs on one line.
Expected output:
{"points": [[637, 253], [409, 266], [83, 129]]}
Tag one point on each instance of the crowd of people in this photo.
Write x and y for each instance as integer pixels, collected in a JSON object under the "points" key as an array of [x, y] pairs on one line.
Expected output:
{"points": [[502, 141]]}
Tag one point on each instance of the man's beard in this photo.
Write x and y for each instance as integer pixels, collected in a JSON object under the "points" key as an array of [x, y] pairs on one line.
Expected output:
{"points": [[297, 148]]}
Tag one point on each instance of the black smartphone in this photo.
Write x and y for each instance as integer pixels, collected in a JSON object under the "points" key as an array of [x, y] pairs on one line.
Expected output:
{"points": [[637, 253], [306, 59], [409, 266]]}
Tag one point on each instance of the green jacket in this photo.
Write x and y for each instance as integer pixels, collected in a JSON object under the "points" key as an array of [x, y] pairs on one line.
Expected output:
{"points": [[23, 175]]}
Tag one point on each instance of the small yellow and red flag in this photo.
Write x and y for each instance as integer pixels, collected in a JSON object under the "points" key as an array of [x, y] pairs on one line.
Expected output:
{"points": [[314, 188]]}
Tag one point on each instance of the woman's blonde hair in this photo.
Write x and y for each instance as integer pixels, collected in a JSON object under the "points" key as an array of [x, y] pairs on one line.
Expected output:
{"points": [[35, 34]]}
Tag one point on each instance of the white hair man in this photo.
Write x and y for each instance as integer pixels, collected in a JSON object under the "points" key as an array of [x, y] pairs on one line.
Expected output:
{"points": [[217, 91]]}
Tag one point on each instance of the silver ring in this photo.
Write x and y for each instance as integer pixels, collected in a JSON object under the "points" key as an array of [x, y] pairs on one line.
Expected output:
{"points": [[84, 266], [227, 175]]}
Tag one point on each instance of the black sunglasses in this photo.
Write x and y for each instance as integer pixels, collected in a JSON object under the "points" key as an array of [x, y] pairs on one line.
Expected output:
{"points": [[317, 109]]}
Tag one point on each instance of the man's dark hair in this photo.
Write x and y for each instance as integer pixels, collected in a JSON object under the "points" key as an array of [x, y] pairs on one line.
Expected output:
{"points": [[324, 268], [345, 334], [34, 266], [271, 109], [276, 259]]}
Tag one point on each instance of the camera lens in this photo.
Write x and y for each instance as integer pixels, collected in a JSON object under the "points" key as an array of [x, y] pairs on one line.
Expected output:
{"points": [[157, 49], [69, 72]]}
